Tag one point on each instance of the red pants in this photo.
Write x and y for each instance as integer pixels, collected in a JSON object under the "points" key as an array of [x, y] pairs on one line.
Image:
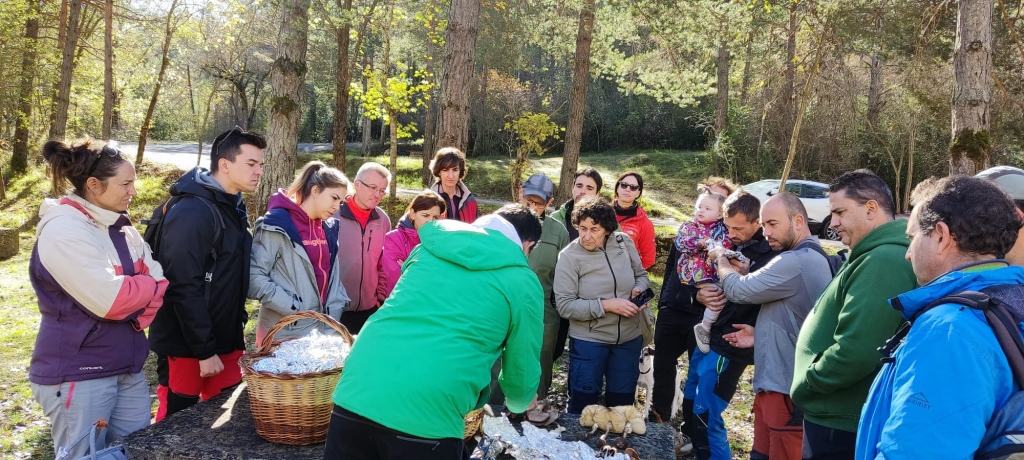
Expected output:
{"points": [[185, 387], [778, 434]]}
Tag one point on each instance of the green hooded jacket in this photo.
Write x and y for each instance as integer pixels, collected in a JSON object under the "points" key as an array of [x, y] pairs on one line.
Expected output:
{"points": [[837, 349], [423, 361]]}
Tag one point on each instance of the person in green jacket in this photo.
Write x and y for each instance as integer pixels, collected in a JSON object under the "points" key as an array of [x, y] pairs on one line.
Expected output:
{"points": [[837, 349], [422, 362]]}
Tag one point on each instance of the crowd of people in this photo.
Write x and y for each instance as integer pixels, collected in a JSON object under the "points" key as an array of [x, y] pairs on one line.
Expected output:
{"points": [[452, 309]]}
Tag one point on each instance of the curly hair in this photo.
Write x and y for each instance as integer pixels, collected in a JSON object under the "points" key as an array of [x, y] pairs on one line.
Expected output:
{"points": [[981, 217], [597, 210]]}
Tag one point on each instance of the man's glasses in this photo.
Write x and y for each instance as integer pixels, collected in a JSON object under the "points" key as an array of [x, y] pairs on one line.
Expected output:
{"points": [[632, 187], [373, 188], [109, 150], [535, 203]]}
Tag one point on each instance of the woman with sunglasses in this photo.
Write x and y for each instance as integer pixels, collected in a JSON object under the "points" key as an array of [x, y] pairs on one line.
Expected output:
{"points": [[632, 219], [293, 266], [98, 288]]}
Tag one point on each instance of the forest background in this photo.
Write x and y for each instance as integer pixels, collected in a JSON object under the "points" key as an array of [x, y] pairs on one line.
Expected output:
{"points": [[909, 89], [747, 89]]}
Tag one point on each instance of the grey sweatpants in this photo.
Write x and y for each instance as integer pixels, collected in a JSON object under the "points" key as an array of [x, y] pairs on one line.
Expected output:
{"points": [[122, 400]]}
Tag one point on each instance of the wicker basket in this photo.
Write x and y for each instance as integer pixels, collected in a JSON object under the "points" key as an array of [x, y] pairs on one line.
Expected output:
{"points": [[474, 420], [292, 409]]}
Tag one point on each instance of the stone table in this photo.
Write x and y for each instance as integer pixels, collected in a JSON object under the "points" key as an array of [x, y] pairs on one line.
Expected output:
{"points": [[221, 428]]}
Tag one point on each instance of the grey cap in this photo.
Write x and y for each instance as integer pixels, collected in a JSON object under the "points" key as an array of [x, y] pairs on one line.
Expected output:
{"points": [[1010, 179], [539, 185]]}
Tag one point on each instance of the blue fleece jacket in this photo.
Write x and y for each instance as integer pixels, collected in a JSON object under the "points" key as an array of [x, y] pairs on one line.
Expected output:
{"points": [[948, 378]]}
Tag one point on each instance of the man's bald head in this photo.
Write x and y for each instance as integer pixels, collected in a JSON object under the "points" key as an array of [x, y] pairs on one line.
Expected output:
{"points": [[784, 220]]}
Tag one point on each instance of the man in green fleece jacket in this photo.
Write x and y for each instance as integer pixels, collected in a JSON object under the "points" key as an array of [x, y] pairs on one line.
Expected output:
{"points": [[836, 351], [422, 362]]}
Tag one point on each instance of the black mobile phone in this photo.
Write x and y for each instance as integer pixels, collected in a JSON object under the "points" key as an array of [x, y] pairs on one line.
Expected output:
{"points": [[643, 298]]}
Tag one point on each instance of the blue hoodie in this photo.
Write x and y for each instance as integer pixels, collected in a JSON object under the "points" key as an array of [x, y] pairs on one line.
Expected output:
{"points": [[948, 378]]}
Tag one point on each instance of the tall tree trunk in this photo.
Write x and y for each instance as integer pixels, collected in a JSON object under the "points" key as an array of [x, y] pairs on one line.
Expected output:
{"points": [[748, 54], [108, 68], [430, 110], [481, 116], [286, 78], [164, 61], [875, 90], [63, 90], [365, 148], [790, 88], [19, 157], [577, 102], [393, 122], [722, 101], [910, 162], [972, 87], [457, 74], [341, 82]]}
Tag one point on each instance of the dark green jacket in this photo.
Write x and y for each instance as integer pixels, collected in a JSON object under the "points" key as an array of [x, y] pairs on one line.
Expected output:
{"points": [[544, 256], [837, 350]]}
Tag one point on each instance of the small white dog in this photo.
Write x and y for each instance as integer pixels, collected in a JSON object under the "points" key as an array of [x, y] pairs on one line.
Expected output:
{"points": [[646, 381]]}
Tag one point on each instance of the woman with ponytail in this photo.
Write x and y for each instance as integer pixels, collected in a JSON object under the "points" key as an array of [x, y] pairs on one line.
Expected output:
{"points": [[98, 288], [294, 253]]}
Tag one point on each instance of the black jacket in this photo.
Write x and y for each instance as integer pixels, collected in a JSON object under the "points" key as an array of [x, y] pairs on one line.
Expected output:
{"points": [[189, 324]]}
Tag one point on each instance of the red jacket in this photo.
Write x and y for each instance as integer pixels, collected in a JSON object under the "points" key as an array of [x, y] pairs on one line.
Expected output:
{"points": [[359, 253], [641, 231]]}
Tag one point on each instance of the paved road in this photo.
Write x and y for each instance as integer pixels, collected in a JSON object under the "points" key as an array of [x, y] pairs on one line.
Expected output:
{"points": [[183, 155]]}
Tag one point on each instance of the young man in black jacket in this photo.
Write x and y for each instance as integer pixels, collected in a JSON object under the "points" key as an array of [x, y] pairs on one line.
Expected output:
{"points": [[204, 247]]}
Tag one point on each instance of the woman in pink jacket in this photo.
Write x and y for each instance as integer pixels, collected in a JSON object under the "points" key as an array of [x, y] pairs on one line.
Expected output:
{"points": [[632, 219], [398, 243]]}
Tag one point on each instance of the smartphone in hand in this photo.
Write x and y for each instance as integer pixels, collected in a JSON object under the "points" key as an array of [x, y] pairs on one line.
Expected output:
{"points": [[643, 298]]}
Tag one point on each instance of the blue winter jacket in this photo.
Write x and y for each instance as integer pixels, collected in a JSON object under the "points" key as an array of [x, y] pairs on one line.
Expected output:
{"points": [[948, 378]]}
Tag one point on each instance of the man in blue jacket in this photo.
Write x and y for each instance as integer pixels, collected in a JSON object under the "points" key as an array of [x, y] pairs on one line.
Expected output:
{"points": [[949, 375]]}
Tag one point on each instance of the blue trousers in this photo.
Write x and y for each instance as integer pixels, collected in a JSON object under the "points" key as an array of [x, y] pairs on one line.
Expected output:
{"points": [[710, 385], [594, 365]]}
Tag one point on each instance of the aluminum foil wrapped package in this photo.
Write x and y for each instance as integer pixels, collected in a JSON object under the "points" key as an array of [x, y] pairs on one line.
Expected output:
{"points": [[538, 443], [315, 352]]}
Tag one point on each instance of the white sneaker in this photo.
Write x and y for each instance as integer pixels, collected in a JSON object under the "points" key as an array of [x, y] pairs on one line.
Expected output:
{"points": [[703, 338]]}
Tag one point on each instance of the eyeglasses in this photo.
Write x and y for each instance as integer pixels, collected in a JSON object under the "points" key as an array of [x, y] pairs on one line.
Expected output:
{"points": [[535, 203], [109, 150], [373, 188], [632, 187]]}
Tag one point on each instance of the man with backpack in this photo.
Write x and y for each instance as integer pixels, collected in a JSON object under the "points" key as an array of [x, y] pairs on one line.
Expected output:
{"points": [[836, 352], [786, 289], [201, 237], [948, 380]]}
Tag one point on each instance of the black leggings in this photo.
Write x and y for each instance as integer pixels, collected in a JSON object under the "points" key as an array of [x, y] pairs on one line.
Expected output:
{"points": [[354, 437]]}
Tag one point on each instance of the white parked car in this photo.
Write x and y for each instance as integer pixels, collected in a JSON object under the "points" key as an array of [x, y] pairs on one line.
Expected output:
{"points": [[814, 195]]}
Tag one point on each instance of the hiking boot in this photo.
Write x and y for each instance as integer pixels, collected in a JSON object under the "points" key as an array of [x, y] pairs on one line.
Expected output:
{"points": [[703, 338]]}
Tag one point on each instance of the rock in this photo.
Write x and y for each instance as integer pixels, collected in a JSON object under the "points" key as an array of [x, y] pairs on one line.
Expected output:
{"points": [[220, 428], [9, 243]]}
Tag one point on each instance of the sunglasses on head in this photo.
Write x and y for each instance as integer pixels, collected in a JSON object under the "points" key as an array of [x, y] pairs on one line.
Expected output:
{"points": [[109, 150], [632, 187], [216, 146]]}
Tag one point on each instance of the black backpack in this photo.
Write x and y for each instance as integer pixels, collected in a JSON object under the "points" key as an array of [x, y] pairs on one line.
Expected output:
{"points": [[1003, 306], [835, 261], [154, 230]]}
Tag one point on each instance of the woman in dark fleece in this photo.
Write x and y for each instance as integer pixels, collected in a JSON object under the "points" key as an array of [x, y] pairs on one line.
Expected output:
{"points": [[294, 250]]}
